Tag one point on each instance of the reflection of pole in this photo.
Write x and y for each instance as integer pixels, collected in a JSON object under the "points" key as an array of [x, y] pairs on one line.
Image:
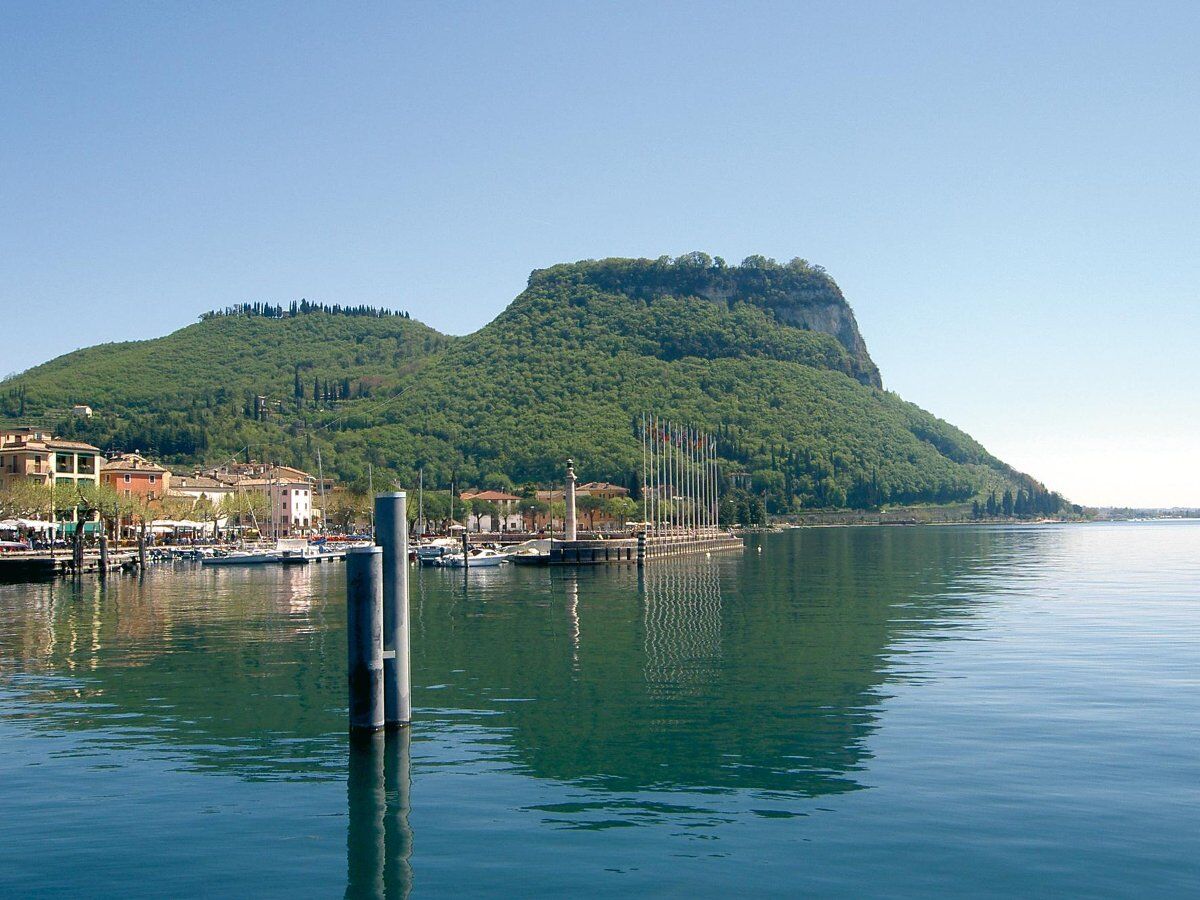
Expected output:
{"points": [[364, 636], [397, 832], [573, 607], [366, 805], [379, 838], [391, 534]]}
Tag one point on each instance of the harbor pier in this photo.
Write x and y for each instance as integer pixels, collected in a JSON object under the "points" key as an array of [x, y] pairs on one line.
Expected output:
{"points": [[680, 500]]}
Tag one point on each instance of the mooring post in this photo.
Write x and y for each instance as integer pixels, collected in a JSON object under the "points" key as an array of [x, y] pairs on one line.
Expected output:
{"points": [[465, 547], [77, 547], [391, 533], [641, 549], [364, 636], [103, 552]]}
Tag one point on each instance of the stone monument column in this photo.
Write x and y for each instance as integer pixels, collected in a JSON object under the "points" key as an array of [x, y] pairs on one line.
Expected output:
{"points": [[570, 498]]}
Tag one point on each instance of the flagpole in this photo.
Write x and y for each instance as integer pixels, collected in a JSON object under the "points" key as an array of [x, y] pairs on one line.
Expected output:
{"points": [[644, 500], [695, 484], [672, 465]]}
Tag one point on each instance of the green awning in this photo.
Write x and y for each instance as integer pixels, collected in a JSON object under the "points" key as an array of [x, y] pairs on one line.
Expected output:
{"points": [[88, 527]]}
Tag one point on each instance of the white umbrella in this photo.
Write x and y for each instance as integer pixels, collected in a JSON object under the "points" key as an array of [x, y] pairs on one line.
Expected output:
{"points": [[36, 524]]}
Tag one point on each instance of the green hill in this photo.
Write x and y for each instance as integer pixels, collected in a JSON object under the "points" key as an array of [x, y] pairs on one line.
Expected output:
{"points": [[768, 356]]}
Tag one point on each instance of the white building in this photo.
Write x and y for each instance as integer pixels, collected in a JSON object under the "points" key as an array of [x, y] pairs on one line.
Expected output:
{"points": [[293, 504]]}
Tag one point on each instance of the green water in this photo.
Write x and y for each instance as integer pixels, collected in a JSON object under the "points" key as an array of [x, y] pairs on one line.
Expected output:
{"points": [[885, 712]]}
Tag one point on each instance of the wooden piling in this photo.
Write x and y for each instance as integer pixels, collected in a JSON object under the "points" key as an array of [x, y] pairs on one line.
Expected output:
{"points": [[364, 637]]}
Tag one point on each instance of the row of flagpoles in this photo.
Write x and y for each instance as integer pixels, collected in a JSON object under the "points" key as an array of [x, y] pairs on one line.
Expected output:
{"points": [[680, 478]]}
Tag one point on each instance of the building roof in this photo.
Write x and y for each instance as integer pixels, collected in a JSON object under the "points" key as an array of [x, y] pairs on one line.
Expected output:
{"points": [[266, 484], [257, 473], [602, 486], [491, 496], [132, 462], [198, 482], [57, 444]]}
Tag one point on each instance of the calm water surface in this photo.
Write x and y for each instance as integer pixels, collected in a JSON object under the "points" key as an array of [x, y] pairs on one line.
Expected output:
{"points": [[890, 712]]}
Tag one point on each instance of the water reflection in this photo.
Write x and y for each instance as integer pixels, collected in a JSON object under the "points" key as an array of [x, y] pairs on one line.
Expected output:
{"points": [[379, 838], [763, 671], [681, 621]]}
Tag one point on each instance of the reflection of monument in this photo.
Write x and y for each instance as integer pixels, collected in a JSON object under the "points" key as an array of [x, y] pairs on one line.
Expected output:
{"points": [[681, 614], [573, 610], [379, 838]]}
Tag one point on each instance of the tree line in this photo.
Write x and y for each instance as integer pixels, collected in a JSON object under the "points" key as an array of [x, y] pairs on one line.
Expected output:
{"points": [[1023, 504], [301, 308]]}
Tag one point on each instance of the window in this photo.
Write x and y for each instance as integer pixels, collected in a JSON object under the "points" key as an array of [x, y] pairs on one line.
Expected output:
{"points": [[128, 478], [37, 463], [152, 477], [87, 465], [64, 462]]}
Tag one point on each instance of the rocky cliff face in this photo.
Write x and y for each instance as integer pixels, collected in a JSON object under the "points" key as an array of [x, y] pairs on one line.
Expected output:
{"points": [[796, 293], [819, 312]]}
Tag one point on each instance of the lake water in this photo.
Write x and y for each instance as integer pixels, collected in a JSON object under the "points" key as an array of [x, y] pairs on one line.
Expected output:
{"points": [[879, 711]]}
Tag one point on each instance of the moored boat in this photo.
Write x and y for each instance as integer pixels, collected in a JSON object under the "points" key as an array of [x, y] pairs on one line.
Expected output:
{"points": [[478, 559]]}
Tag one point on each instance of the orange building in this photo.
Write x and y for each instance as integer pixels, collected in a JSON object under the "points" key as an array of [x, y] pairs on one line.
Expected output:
{"points": [[592, 516], [134, 476]]}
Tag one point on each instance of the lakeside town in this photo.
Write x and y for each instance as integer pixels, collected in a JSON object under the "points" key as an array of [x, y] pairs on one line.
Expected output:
{"points": [[63, 493]]}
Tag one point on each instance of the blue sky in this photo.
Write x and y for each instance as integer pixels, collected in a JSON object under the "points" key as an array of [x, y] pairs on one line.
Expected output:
{"points": [[1008, 194]]}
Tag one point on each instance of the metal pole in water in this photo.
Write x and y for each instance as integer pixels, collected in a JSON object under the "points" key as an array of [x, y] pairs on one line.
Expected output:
{"points": [[364, 636], [103, 550], [391, 534]]}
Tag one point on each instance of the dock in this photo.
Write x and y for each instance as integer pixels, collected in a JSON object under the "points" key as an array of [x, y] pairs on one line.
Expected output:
{"points": [[17, 567], [588, 552]]}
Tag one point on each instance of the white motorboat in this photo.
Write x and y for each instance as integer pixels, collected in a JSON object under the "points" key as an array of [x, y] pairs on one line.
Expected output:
{"points": [[428, 554], [287, 551], [478, 559], [240, 558], [530, 553]]}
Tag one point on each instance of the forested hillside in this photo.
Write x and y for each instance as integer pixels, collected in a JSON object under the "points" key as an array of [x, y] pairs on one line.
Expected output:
{"points": [[767, 356]]}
